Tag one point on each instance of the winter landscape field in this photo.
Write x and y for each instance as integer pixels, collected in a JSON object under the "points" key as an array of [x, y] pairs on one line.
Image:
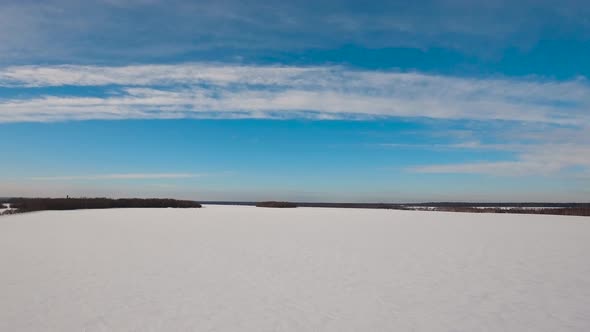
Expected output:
{"points": [[230, 268]]}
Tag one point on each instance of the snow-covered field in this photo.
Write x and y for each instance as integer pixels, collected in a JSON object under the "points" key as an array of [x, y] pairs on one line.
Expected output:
{"points": [[227, 268], [4, 207]]}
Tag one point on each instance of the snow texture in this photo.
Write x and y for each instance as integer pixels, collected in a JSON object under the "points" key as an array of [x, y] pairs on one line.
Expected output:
{"points": [[228, 268], [4, 207]]}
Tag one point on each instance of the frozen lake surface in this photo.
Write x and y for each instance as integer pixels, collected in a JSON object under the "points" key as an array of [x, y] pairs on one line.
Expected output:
{"points": [[229, 268]]}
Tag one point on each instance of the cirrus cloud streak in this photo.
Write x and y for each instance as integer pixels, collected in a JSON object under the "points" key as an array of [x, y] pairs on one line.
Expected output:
{"points": [[208, 90]]}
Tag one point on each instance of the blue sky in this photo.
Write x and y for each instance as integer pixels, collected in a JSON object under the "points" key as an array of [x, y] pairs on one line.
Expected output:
{"points": [[373, 101]]}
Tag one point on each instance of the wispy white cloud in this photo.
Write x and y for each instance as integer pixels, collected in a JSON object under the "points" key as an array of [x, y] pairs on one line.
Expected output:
{"points": [[503, 168], [145, 75], [120, 176], [537, 160], [467, 145], [224, 91]]}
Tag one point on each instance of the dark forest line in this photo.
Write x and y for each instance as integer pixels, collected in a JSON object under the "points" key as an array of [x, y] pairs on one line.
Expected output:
{"points": [[568, 209], [40, 204]]}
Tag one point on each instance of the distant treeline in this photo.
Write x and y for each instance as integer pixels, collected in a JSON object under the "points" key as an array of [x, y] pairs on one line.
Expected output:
{"points": [[328, 205], [40, 204], [495, 205], [275, 204], [568, 211], [305, 204], [355, 205]]}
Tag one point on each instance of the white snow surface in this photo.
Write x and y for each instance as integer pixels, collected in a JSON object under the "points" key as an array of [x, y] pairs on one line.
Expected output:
{"points": [[237, 268], [4, 207]]}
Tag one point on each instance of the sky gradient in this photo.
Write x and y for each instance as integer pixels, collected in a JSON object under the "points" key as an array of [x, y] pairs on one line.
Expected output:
{"points": [[379, 101]]}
